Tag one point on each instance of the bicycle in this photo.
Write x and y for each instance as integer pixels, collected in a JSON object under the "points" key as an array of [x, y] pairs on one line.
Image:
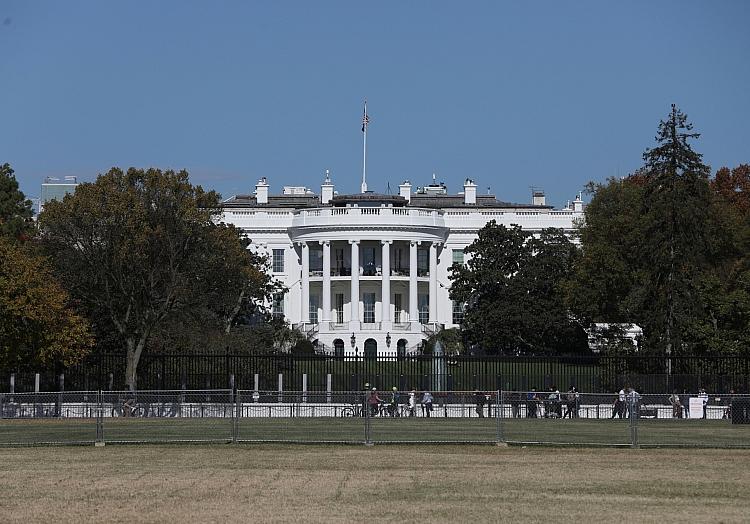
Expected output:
{"points": [[354, 410], [129, 408]]}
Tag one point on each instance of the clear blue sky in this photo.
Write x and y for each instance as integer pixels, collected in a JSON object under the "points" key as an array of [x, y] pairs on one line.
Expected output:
{"points": [[512, 94]]}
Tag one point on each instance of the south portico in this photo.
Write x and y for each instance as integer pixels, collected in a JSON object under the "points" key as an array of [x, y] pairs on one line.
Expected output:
{"points": [[369, 289]]}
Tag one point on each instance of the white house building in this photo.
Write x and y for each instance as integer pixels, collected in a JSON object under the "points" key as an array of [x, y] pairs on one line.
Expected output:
{"points": [[368, 273]]}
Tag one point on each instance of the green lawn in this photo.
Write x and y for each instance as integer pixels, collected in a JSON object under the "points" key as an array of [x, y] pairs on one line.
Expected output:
{"points": [[662, 432]]}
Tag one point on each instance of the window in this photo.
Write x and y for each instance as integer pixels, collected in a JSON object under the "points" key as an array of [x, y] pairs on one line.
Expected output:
{"points": [[277, 306], [338, 347], [314, 302], [458, 257], [423, 301], [368, 261], [397, 308], [399, 268], [316, 262], [338, 256], [369, 306], [278, 260], [423, 264], [458, 312], [339, 308]]}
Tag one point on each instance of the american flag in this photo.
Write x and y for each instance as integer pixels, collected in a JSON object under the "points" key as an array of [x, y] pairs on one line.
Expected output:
{"points": [[365, 119]]}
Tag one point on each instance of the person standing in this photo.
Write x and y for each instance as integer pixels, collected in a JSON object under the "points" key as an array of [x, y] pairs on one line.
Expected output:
{"points": [[618, 408], [685, 401], [479, 399], [532, 403], [427, 403], [704, 399], [412, 403], [674, 399]]}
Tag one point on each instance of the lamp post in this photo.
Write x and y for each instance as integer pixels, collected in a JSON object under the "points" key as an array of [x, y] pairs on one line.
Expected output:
{"points": [[388, 339], [353, 340]]}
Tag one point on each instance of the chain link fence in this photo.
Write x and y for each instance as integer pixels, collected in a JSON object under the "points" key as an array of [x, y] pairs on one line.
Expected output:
{"points": [[625, 418]]}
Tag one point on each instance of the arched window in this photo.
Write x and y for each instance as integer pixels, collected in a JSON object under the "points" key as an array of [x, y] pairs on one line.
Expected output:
{"points": [[371, 348], [338, 347], [401, 348]]}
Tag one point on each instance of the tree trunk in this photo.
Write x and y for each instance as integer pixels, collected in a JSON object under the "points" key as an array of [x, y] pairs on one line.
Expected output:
{"points": [[135, 348]]}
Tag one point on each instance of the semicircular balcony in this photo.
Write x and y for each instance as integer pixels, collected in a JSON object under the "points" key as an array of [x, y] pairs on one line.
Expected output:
{"points": [[400, 223]]}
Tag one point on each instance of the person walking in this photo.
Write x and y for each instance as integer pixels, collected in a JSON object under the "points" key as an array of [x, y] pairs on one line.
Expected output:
{"points": [[479, 399], [374, 401], [427, 403]]}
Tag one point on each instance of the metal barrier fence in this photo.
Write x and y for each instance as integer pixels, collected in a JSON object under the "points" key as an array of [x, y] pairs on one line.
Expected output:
{"points": [[593, 373], [625, 419], [368, 417]]}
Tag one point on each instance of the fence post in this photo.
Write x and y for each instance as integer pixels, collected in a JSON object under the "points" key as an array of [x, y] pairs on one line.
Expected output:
{"points": [[281, 387], [328, 388], [633, 409], [36, 383], [237, 415], [99, 442], [500, 438], [61, 389], [256, 385], [368, 424], [304, 387], [12, 383]]}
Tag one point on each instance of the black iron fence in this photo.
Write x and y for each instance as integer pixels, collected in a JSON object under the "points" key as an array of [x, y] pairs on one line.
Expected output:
{"points": [[450, 373]]}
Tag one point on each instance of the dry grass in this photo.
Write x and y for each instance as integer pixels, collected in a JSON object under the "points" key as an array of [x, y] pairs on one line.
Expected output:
{"points": [[267, 483]]}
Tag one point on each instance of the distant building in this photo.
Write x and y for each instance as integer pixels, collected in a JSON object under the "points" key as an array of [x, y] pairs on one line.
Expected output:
{"points": [[368, 273], [55, 189]]}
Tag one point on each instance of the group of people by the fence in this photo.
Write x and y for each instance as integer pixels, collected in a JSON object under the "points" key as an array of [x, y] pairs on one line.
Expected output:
{"points": [[396, 404], [553, 403]]}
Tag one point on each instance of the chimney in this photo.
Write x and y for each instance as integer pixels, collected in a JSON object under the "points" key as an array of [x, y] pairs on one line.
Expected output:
{"points": [[578, 203], [470, 192], [261, 191], [405, 190], [538, 199], [326, 189]]}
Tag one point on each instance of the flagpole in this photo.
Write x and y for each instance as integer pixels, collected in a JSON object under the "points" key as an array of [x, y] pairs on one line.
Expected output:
{"points": [[364, 150]]}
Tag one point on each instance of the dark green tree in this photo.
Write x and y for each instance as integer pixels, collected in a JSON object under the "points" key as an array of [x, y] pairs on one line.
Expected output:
{"points": [[512, 288], [15, 210], [676, 232], [145, 248]]}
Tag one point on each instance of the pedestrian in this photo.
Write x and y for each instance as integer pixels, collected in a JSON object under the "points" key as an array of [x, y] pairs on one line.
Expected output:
{"points": [[412, 403], [393, 404], [427, 403], [479, 399], [374, 401], [618, 408], [571, 403], [704, 400], [685, 401], [674, 399], [532, 401]]}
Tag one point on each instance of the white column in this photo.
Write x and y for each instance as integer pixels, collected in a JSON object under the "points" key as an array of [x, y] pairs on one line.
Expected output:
{"points": [[413, 311], [433, 282], [305, 316], [326, 281], [354, 294], [385, 299]]}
